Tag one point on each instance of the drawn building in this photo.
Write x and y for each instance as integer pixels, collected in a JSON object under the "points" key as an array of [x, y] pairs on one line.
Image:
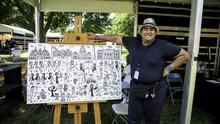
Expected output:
{"points": [[108, 54], [39, 54], [82, 54]]}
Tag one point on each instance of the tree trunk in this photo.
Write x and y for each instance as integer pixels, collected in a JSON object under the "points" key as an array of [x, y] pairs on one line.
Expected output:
{"points": [[42, 33]]}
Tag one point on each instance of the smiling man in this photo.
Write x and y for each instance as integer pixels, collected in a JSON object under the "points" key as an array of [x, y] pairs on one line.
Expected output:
{"points": [[148, 57]]}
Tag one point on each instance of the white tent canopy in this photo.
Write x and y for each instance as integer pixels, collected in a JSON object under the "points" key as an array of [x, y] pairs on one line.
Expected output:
{"points": [[50, 34], [115, 6], [13, 29]]}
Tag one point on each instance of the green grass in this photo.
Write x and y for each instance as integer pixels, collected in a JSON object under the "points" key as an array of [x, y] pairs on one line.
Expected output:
{"points": [[44, 115]]}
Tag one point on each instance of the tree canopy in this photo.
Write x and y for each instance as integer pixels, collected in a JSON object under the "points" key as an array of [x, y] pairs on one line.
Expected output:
{"points": [[122, 24], [20, 14]]}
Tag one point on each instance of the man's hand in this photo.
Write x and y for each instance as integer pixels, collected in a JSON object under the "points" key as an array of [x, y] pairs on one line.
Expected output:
{"points": [[165, 72], [91, 35]]}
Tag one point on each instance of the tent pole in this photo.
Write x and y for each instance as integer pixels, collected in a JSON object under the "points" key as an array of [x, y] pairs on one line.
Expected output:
{"points": [[193, 49], [37, 21]]}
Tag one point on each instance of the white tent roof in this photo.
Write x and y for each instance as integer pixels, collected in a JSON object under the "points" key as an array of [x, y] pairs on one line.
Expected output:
{"points": [[9, 28], [112, 6], [50, 34]]}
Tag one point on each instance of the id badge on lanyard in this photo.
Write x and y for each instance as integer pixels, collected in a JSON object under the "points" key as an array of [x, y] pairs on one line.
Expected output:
{"points": [[136, 73]]}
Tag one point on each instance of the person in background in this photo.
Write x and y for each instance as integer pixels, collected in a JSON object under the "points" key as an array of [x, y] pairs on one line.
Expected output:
{"points": [[127, 71], [126, 81]]}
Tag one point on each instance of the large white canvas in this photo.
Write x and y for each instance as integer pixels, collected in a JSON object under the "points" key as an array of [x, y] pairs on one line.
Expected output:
{"points": [[73, 73]]}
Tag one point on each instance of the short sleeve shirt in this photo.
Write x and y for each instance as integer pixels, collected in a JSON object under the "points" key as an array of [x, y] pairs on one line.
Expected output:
{"points": [[151, 59]]}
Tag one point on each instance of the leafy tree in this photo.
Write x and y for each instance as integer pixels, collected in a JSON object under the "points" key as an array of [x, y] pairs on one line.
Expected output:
{"points": [[122, 24], [96, 22], [21, 14]]}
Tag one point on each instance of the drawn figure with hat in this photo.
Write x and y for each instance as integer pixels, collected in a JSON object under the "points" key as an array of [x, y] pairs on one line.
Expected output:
{"points": [[149, 68]]}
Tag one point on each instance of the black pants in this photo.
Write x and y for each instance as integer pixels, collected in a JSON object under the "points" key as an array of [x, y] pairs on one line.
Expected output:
{"points": [[149, 108]]}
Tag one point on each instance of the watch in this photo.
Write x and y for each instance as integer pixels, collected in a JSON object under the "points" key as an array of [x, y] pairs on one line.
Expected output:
{"points": [[169, 67]]}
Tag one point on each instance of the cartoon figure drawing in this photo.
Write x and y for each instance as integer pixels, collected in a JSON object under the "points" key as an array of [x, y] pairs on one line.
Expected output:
{"points": [[52, 90], [51, 78], [92, 88]]}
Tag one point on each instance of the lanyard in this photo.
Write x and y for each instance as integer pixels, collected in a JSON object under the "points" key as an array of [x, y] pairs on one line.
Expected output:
{"points": [[141, 58]]}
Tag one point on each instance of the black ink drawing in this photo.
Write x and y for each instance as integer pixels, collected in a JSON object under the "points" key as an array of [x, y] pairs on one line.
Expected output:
{"points": [[92, 88], [108, 54], [51, 78], [61, 53], [73, 90], [43, 78], [32, 93], [49, 64], [69, 73], [36, 65], [73, 66], [94, 67], [38, 53], [116, 65], [83, 54], [52, 90], [31, 65], [82, 67], [57, 75], [57, 96], [90, 79], [37, 78], [42, 94], [62, 97], [98, 91], [68, 96], [60, 86], [65, 88], [105, 88], [75, 81], [31, 79], [41, 64], [66, 78]]}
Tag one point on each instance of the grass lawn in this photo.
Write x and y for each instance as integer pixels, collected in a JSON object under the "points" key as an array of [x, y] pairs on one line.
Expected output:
{"points": [[40, 114]]}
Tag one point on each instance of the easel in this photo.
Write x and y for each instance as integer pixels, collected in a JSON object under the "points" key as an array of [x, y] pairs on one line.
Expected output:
{"points": [[78, 107]]}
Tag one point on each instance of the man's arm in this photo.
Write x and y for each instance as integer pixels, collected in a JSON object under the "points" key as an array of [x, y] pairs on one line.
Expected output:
{"points": [[179, 60], [111, 38]]}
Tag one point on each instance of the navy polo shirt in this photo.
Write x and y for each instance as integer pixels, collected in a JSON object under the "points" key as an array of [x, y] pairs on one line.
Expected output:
{"points": [[151, 59]]}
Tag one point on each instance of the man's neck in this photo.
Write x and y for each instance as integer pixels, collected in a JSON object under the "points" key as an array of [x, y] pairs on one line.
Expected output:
{"points": [[147, 43]]}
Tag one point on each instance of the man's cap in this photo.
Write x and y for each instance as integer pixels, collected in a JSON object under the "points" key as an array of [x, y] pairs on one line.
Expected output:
{"points": [[149, 22]]}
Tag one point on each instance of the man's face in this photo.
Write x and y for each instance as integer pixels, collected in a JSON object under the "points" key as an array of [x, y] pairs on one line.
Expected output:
{"points": [[148, 33]]}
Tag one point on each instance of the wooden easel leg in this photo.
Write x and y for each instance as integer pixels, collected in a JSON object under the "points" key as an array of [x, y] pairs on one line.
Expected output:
{"points": [[79, 118], [96, 107], [75, 118], [57, 111]]}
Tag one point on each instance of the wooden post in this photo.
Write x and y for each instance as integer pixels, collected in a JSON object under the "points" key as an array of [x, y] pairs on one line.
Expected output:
{"points": [[78, 108]]}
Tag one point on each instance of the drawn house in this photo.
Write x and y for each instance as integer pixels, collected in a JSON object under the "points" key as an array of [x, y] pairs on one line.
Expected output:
{"points": [[82, 54], [108, 54], [75, 55]]}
